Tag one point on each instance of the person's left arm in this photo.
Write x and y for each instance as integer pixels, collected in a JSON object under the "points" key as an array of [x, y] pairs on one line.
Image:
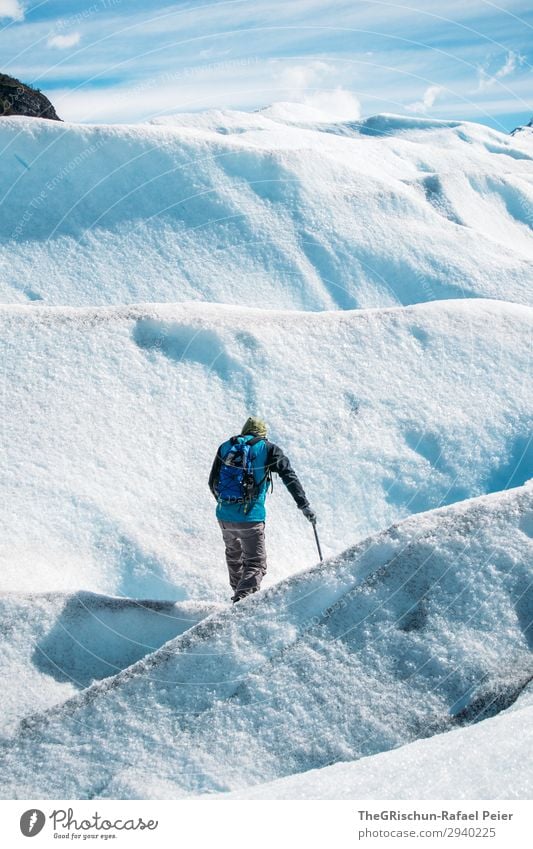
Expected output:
{"points": [[278, 462]]}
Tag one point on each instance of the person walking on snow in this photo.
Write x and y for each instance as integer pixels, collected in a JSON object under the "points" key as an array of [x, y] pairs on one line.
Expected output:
{"points": [[239, 480]]}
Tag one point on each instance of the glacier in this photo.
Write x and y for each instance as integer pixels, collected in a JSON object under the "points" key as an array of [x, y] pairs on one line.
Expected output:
{"points": [[56, 644], [411, 408], [366, 287], [260, 211], [411, 632], [431, 768]]}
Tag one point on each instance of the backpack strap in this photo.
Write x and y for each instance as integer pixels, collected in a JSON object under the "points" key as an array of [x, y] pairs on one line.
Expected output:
{"points": [[255, 440], [234, 440], [268, 474]]}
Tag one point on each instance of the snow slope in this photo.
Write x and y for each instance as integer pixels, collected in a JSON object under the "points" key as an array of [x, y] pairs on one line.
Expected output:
{"points": [[415, 630], [262, 210], [118, 384], [55, 644], [112, 417], [496, 752]]}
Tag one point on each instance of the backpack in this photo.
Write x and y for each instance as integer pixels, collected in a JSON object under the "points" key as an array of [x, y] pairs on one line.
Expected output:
{"points": [[236, 482]]}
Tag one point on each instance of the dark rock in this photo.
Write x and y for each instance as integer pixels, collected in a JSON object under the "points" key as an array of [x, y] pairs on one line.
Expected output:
{"points": [[19, 99], [525, 127]]}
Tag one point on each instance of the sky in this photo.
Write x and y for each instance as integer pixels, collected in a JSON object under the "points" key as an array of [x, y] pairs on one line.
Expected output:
{"points": [[125, 61]]}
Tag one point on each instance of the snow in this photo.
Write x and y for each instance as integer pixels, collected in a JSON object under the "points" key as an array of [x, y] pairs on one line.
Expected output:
{"points": [[434, 768], [365, 285], [276, 209], [417, 630], [383, 413], [56, 644]]}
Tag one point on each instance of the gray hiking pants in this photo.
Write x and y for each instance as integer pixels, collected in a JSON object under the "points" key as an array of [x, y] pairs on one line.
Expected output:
{"points": [[245, 555]]}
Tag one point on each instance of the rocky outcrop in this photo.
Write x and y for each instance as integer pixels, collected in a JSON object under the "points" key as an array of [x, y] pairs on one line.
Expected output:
{"points": [[524, 127], [16, 98]]}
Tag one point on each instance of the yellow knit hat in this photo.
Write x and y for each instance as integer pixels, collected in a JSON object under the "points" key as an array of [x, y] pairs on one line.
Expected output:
{"points": [[255, 426]]}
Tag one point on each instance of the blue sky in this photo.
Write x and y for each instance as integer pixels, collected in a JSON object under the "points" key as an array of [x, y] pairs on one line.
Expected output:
{"points": [[127, 60]]}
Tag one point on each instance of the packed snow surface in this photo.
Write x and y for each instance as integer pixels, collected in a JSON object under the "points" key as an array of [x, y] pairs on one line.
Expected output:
{"points": [[55, 644], [123, 676], [414, 631], [484, 761], [112, 418], [264, 210]]}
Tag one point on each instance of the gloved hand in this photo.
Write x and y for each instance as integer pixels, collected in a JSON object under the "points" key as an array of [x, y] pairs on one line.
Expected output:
{"points": [[309, 514]]}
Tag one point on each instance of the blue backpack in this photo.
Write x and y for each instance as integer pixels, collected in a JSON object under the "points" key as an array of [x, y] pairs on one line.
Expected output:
{"points": [[236, 482]]}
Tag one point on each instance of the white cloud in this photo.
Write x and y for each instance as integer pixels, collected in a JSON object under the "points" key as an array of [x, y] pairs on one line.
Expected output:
{"points": [[313, 84], [11, 9], [230, 84], [428, 100], [512, 62], [62, 42], [338, 104]]}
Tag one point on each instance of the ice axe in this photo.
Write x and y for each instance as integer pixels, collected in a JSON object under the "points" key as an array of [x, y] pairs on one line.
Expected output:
{"points": [[317, 540]]}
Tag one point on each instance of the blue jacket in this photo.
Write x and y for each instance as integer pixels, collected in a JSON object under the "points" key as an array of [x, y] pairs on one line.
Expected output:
{"points": [[267, 458]]}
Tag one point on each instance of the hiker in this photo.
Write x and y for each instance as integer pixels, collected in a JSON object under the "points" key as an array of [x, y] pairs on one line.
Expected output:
{"points": [[239, 480]]}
